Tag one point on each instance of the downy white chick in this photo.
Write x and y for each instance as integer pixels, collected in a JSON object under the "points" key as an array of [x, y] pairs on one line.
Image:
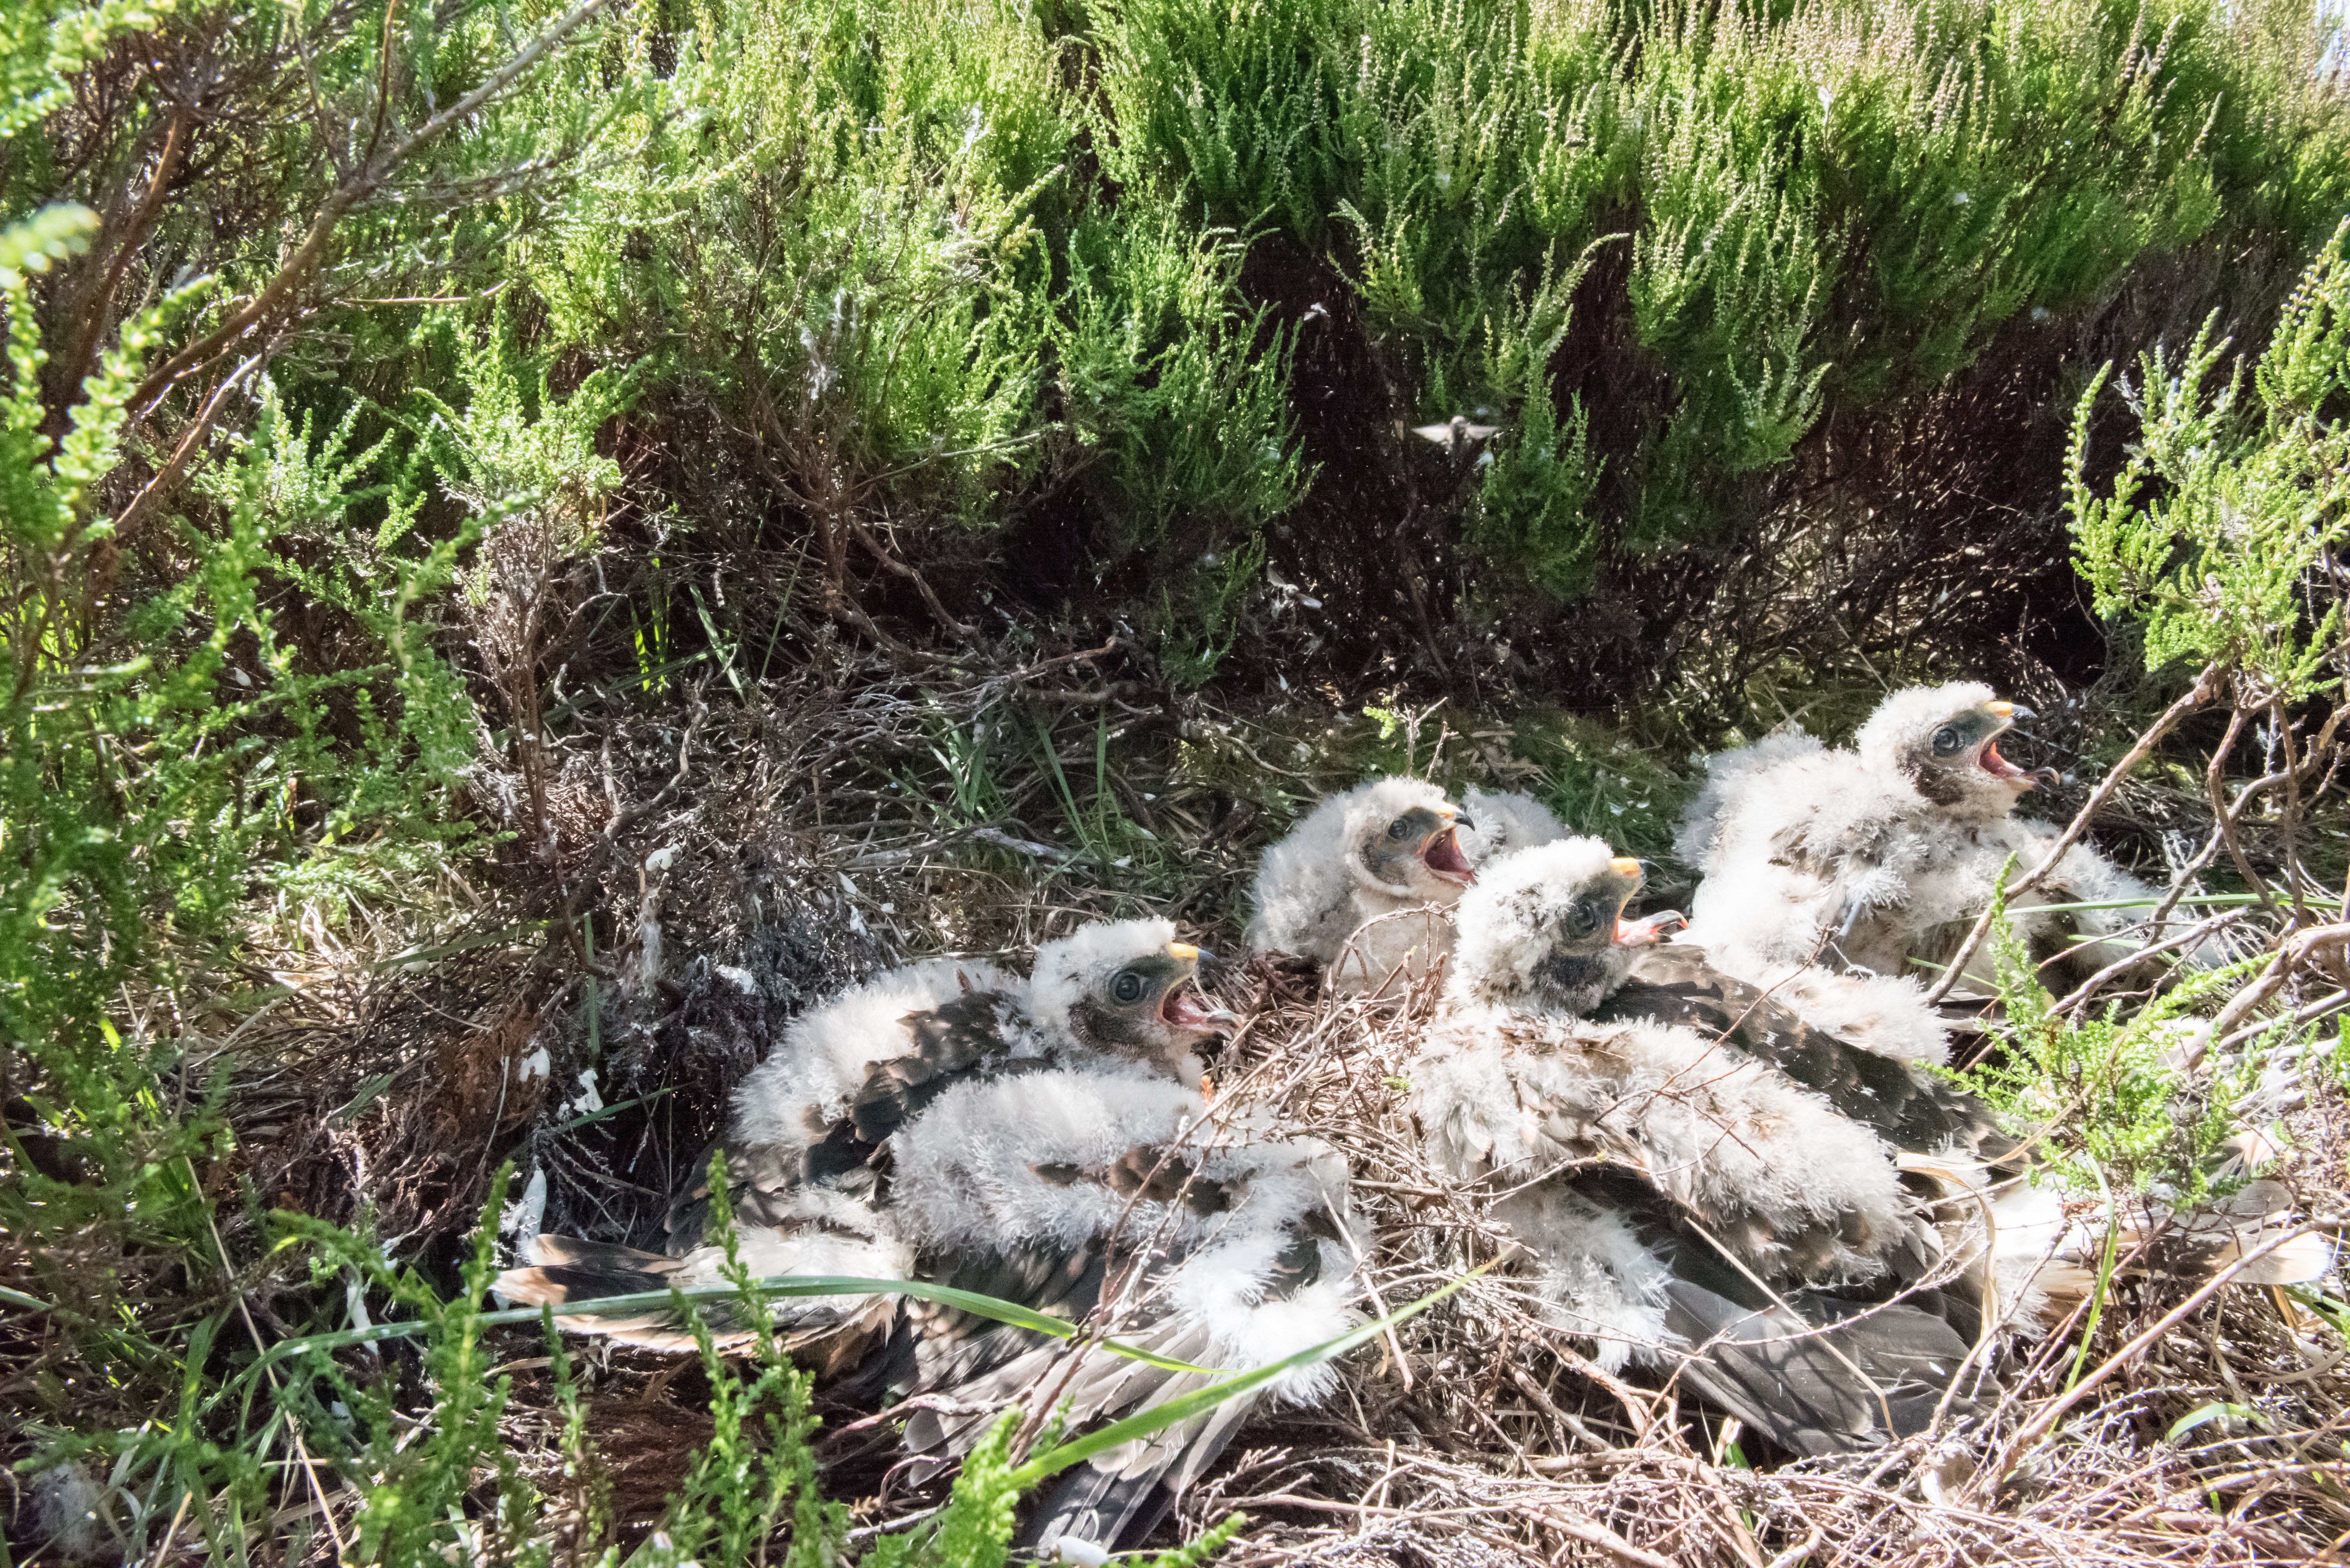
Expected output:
{"points": [[1846, 1036], [1696, 1174], [1506, 821], [1686, 1203], [1044, 1143], [1360, 885], [1882, 857]]}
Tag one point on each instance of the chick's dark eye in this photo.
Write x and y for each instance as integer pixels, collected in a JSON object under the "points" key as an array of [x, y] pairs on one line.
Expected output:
{"points": [[1947, 739], [1583, 919], [1397, 828], [1126, 987]]}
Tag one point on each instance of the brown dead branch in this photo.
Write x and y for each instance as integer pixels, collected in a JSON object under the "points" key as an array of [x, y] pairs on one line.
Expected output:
{"points": [[365, 183]]}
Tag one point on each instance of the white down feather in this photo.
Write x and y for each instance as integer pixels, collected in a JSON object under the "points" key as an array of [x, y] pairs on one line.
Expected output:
{"points": [[1594, 1277], [1506, 822], [1729, 779], [1503, 931], [966, 1178], [1878, 1012], [821, 1062], [965, 1171], [1734, 1138], [1754, 907], [1065, 970]]}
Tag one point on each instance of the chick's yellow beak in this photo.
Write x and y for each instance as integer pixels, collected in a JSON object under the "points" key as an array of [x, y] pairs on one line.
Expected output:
{"points": [[1624, 866]]}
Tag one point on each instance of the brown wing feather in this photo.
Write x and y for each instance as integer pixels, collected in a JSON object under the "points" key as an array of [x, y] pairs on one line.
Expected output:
{"points": [[973, 1369], [1889, 1353], [1908, 1107], [958, 1039]]}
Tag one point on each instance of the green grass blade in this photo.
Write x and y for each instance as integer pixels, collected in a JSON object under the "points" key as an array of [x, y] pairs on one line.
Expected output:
{"points": [[2219, 1410], [2214, 899], [990, 1307]]}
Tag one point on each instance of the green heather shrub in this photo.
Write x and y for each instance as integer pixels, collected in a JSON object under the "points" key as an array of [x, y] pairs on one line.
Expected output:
{"points": [[853, 235], [819, 234], [1826, 206], [223, 677], [2101, 1084], [163, 762], [229, 698], [452, 1485], [317, 384], [2218, 534], [1180, 431], [44, 44], [1151, 365]]}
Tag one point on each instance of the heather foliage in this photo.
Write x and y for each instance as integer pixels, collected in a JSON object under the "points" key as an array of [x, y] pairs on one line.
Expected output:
{"points": [[400, 396], [1824, 207], [2224, 529], [857, 242]]}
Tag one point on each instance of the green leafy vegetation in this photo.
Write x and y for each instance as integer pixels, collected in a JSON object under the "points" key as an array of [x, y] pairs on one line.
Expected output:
{"points": [[419, 423], [2105, 1091], [2216, 530], [1827, 208]]}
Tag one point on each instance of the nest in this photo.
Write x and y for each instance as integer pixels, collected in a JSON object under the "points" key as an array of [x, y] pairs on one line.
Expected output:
{"points": [[1479, 1434], [702, 875]]}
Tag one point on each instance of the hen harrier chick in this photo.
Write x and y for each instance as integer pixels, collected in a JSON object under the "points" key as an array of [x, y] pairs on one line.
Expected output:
{"points": [[1792, 1220], [1044, 1143], [1686, 1202], [1361, 884], [1882, 857]]}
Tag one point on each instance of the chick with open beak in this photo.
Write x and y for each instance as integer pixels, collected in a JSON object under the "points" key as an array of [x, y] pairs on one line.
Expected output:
{"points": [[1881, 857], [1360, 885], [1408, 866], [1648, 928], [1417, 854], [1546, 929], [1150, 1008], [1949, 753]]}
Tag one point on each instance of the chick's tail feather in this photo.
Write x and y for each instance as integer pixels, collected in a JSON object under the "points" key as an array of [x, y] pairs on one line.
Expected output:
{"points": [[1843, 1376], [1114, 1498], [566, 1271], [2036, 1256]]}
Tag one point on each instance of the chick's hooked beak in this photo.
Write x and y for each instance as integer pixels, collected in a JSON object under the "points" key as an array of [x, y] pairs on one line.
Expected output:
{"points": [[1183, 1007], [1440, 852], [1653, 928], [1999, 767]]}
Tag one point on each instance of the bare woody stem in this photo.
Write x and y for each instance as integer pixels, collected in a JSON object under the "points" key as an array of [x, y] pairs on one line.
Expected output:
{"points": [[362, 183], [81, 356], [2295, 951], [1991, 1474]]}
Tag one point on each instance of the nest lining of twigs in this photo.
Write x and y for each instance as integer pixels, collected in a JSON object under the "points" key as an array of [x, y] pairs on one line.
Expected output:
{"points": [[400, 1063]]}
